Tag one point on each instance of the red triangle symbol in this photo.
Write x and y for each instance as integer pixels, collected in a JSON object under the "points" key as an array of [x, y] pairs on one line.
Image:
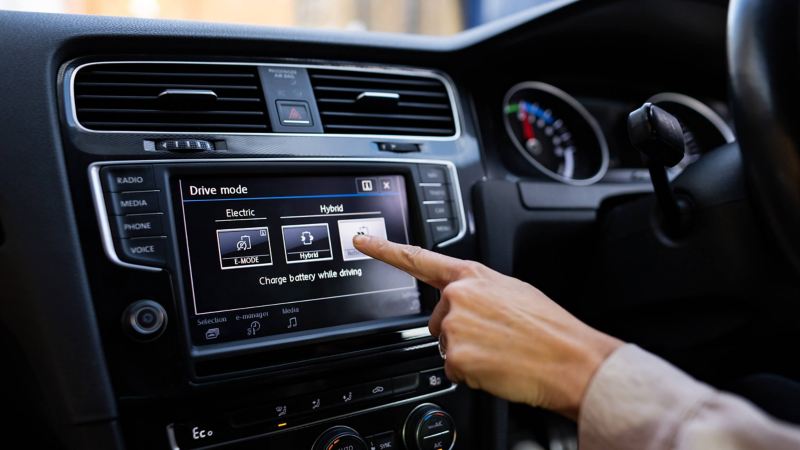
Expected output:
{"points": [[294, 114]]}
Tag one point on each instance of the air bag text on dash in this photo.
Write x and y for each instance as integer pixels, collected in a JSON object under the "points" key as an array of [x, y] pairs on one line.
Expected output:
{"points": [[331, 209], [309, 277]]}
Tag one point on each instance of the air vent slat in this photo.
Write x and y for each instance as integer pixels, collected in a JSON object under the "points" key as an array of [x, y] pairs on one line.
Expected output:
{"points": [[164, 85], [161, 126], [365, 80], [377, 116], [125, 97], [422, 106]]}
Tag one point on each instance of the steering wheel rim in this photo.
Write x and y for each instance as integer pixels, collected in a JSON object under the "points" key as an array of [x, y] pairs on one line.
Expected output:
{"points": [[763, 65]]}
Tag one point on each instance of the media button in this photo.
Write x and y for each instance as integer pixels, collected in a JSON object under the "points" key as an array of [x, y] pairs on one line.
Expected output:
{"points": [[146, 250], [138, 225], [435, 193], [135, 202], [244, 247], [307, 243]]}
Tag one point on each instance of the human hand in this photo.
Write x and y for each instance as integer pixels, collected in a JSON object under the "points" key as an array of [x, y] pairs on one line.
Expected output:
{"points": [[502, 335]]}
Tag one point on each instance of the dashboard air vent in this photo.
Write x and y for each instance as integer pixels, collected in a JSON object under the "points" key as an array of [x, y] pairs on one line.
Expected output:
{"points": [[170, 97], [356, 102]]}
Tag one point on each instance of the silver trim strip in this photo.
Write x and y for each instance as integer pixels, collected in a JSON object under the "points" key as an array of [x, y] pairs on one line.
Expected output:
{"points": [[173, 442], [103, 219], [73, 113], [574, 104]]}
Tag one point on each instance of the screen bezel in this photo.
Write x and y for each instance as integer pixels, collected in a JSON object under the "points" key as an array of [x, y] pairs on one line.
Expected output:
{"points": [[418, 235]]}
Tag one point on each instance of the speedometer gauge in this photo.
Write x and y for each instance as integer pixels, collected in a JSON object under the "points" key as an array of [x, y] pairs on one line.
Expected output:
{"points": [[555, 133]]}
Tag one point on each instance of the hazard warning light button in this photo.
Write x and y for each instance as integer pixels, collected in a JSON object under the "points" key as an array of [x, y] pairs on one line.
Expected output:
{"points": [[294, 114]]}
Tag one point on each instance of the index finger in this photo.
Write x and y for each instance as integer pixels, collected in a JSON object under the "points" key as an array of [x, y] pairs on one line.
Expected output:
{"points": [[429, 267]]}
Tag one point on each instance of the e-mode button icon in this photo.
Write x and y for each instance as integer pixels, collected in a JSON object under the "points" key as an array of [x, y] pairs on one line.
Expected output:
{"points": [[244, 247]]}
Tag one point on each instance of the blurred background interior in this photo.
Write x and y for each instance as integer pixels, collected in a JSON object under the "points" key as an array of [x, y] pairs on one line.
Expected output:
{"points": [[430, 17]]}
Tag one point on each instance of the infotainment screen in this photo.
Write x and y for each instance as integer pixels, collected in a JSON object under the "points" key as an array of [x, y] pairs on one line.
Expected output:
{"points": [[271, 255]]}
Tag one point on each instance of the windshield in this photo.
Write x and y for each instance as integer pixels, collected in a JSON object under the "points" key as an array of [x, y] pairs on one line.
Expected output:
{"points": [[432, 17]]}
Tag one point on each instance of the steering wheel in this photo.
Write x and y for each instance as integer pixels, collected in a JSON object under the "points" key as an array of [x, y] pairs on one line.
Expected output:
{"points": [[764, 71]]}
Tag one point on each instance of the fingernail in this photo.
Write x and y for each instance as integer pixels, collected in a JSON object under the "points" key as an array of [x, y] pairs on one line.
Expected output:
{"points": [[360, 239]]}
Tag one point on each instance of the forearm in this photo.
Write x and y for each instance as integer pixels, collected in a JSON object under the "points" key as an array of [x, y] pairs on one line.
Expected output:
{"points": [[638, 401]]}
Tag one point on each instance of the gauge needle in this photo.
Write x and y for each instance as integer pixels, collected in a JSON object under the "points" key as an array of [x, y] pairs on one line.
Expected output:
{"points": [[527, 126]]}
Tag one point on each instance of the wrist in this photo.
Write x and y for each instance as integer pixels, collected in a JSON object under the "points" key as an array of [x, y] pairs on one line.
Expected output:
{"points": [[594, 351]]}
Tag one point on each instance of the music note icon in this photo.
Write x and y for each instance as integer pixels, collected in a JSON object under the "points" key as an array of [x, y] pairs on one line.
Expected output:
{"points": [[292, 322]]}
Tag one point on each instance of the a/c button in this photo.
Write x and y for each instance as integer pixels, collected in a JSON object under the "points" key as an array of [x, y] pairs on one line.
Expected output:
{"points": [[148, 251]]}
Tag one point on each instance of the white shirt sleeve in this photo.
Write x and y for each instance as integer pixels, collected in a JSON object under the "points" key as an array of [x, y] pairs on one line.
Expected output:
{"points": [[638, 401]]}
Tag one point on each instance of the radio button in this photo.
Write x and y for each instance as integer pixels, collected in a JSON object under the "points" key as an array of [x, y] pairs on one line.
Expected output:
{"points": [[134, 202], [432, 174], [130, 178], [147, 250], [435, 193], [439, 211], [139, 225], [443, 230]]}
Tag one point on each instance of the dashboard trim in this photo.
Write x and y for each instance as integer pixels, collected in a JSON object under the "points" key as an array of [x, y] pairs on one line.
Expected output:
{"points": [[451, 92], [103, 220], [174, 443]]}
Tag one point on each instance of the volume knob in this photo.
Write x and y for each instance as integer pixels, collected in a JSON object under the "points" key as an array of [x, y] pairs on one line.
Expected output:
{"points": [[429, 427]]}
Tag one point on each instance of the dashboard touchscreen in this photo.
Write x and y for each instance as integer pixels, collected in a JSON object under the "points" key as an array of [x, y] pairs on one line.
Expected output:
{"points": [[273, 255]]}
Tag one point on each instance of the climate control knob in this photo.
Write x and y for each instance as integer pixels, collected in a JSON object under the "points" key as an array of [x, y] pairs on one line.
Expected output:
{"points": [[340, 438], [428, 427]]}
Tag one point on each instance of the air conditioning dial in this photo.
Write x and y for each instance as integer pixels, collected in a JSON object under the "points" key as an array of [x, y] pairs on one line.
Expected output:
{"points": [[340, 438], [429, 427]]}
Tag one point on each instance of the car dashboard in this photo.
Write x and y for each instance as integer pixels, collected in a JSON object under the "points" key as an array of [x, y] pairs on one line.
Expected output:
{"points": [[179, 200]]}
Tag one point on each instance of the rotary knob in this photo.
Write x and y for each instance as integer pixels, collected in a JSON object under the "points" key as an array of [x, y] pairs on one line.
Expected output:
{"points": [[429, 427], [340, 438]]}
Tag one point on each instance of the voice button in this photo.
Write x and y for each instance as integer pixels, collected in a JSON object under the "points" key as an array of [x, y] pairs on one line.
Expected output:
{"points": [[147, 250]]}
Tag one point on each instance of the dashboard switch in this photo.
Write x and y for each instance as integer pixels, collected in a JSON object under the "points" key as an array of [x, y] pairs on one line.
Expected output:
{"points": [[144, 319], [148, 250], [398, 147], [443, 229], [435, 193], [138, 225], [130, 178], [429, 427], [438, 211], [134, 202], [340, 438], [432, 174], [382, 441]]}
